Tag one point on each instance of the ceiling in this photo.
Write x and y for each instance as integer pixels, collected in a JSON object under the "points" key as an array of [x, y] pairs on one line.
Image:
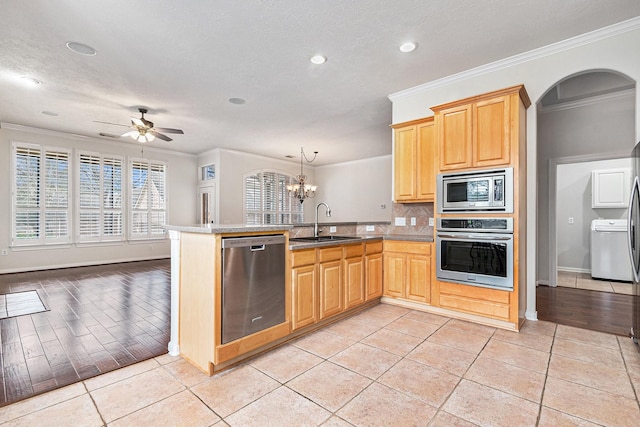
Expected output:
{"points": [[184, 60]]}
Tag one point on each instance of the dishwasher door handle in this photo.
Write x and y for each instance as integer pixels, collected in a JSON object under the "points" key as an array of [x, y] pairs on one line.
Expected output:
{"points": [[256, 248]]}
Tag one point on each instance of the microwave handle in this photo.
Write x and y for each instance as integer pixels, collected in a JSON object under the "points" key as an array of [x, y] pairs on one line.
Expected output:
{"points": [[473, 236]]}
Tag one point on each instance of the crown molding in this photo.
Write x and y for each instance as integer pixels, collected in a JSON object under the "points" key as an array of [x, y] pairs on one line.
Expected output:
{"points": [[83, 138], [592, 100], [571, 43]]}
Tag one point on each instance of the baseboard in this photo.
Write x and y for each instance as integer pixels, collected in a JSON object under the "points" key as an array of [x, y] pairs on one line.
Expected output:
{"points": [[542, 282], [81, 264], [573, 270]]}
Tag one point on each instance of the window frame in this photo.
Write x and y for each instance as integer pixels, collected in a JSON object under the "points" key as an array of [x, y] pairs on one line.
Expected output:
{"points": [[280, 191], [149, 235], [42, 208]]}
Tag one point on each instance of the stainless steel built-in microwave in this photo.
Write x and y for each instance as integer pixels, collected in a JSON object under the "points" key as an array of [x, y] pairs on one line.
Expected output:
{"points": [[475, 191]]}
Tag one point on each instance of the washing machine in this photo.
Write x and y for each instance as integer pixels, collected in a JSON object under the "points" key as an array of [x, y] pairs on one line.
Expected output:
{"points": [[610, 250]]}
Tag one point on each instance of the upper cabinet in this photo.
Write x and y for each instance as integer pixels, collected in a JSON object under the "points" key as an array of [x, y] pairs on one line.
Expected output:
{"points": [[414, 161], [481, 131]]}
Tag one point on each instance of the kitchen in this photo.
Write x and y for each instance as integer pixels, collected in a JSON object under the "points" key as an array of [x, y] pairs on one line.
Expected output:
{"points": [[347, 206]]}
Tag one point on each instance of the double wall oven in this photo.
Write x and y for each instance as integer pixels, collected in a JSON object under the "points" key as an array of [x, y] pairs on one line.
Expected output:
{"points": [[471, 249]]}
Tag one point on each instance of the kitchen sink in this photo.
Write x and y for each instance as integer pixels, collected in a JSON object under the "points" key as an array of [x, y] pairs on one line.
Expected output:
{"points": [[322, 238]]}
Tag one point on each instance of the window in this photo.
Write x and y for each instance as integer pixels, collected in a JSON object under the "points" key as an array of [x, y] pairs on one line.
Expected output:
{"points": [[100, 198], [40, 197], [267, 200], [148, 199]]}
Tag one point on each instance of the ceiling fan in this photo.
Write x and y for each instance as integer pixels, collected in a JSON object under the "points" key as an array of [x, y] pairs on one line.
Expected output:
{"points": [[144, 130]]}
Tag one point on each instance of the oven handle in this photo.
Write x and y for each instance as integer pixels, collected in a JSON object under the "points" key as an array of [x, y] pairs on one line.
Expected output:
{"points": [[473, 236]]}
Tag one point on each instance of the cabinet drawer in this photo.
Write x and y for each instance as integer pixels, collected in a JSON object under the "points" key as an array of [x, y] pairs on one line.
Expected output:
{"points": [[484, 308], [330, 254], [352, 251], [421, 248], [303, 257], [475, 292], [373, 247]]}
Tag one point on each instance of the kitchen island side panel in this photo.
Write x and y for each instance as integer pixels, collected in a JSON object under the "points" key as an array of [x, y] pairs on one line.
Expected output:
{"points": [[197, 299]]}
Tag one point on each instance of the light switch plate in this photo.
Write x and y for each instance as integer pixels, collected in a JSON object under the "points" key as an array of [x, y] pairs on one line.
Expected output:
{"points": [[430, 222], [332, 229], [413, 220], [371, 228], [401, 221]]}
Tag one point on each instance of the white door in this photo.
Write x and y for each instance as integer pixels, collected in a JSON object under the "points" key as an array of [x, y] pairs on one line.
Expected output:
{"points": [[207, 202]]}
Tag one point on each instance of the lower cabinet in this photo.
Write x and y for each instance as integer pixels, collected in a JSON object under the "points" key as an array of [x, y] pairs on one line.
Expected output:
{"points": [[304, 286], [327, 281], [407, 270]]}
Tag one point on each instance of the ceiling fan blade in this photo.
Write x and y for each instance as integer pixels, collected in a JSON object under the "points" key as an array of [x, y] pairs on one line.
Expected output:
{"points": [[170, 130], [109, 123], [160, 136], [137, 122]]}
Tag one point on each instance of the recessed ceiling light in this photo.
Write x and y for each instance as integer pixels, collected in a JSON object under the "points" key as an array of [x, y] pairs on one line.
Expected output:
{"points": [[30, 81], [50, 113], [82, 49], [318, 59], [237, 101], [407, 47]]}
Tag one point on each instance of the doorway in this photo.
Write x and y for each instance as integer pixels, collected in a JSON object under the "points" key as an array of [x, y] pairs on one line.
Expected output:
{"points": [[587, 117], [207, 204]]}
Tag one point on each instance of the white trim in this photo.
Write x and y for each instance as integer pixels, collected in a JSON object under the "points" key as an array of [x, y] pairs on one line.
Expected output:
{"points": [[552, 49], [48, 132], [574, 270], [80, 264], [593, 100]]}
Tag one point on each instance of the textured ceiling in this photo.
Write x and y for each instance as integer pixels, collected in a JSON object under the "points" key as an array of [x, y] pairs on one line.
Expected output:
{"points": [[184, 60]]}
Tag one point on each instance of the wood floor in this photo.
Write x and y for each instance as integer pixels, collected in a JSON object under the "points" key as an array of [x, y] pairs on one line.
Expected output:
{"points": [[594, 310], [99, 319]]}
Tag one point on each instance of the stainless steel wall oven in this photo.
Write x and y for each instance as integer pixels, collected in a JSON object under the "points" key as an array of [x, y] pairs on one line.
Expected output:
{"points": [[475, 251]]}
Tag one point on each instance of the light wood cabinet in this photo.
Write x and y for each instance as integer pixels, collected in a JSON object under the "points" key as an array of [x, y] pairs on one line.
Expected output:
{"points": [[407, 270], [304, 285], [373, 270], [354, 277], [414, 161], [481, 131], [331, 282]]}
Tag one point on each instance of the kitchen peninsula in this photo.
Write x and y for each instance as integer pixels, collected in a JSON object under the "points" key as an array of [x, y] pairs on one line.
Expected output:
{"points": [[196, 291]]}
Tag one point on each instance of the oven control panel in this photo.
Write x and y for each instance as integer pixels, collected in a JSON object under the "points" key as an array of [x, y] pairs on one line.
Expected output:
{"points": [[504, 225]]}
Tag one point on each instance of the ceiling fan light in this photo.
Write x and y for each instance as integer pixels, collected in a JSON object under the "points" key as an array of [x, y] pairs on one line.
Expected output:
{"points": [[150, 137], [140, 138]]}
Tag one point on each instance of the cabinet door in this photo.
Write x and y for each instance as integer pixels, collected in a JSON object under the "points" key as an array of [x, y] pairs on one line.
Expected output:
{"points": [[404, 160], [330, 288], [454, 136], [426, 161], [303, 288], [394, 272], [491, 132], [353, 282], [419, 278], [373, 276]]}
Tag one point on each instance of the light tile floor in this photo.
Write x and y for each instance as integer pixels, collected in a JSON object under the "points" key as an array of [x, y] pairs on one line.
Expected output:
{"points": [[388, 366], [584, 281]]}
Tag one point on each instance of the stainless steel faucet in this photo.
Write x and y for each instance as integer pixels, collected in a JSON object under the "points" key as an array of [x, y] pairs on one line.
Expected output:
{"points": [[315, 225]]}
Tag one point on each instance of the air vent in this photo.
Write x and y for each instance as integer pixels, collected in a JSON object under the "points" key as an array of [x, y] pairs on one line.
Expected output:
{"points": [[109, 135]]}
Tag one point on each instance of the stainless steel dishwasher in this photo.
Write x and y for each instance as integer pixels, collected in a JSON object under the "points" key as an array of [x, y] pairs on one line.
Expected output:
{"points": [[253, 285]]}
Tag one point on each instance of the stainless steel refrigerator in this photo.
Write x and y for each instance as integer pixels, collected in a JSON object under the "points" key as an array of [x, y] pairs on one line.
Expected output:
{"points": [[633, 225]]}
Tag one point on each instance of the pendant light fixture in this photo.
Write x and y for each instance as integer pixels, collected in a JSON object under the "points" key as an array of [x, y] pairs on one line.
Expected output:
{"points": [[302, 190]]}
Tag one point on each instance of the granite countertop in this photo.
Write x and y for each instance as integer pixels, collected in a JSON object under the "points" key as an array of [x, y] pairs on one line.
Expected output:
{"points": [[295, 245], [227, 228]]}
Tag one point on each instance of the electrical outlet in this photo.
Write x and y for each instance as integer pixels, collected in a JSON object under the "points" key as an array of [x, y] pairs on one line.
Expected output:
{"points": [[332, 229], [413, 220], [383, 206], [571, 220], [371, 228], [5, 252], [430, 222], [401, 221]]}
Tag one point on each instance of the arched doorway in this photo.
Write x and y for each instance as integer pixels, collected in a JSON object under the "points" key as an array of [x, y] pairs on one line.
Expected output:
{"points": [[587, 116]]}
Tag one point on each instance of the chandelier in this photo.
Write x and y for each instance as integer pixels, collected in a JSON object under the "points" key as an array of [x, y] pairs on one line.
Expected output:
{"points": [[302, 190]]}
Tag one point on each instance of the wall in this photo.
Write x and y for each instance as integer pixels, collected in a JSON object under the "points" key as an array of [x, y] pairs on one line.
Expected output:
{"points": [[356, 191], [573, 199], [181, 184], [610, 48]]}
